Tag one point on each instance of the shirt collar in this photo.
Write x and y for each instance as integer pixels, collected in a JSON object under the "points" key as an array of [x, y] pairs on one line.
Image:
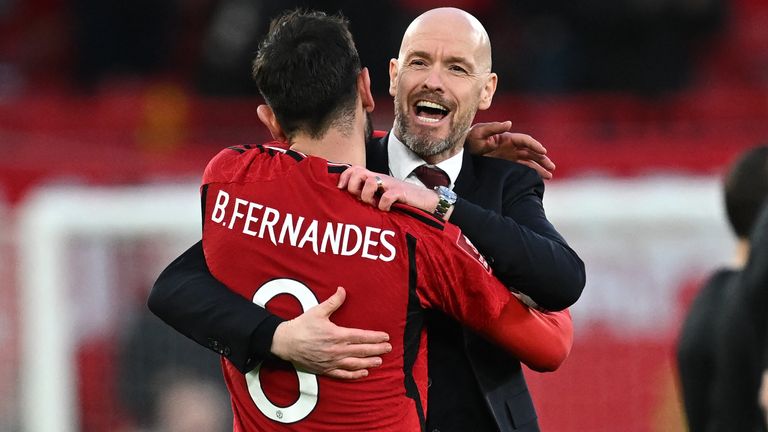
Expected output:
{"points": [[402, 162]]}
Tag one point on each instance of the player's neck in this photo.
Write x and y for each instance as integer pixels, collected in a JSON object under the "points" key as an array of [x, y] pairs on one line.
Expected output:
{"points": [[334, 146]]}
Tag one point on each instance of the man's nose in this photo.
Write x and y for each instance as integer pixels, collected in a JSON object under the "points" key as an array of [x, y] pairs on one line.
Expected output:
{"points": [[434, 80]]}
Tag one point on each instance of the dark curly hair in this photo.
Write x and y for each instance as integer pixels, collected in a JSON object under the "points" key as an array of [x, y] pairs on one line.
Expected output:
{"points": [[306, 69]]}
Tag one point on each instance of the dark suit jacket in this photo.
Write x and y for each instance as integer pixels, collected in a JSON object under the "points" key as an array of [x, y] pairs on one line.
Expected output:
{"points": [[474, 385]]}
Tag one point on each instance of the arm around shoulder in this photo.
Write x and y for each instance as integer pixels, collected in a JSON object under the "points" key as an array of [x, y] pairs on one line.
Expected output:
{"points": [[188, 298]]}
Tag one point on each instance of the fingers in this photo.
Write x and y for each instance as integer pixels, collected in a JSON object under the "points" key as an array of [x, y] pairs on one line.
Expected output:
{"points": [[344, 178], [482, 136], [386, 200], [547, 163], [358, 362], [540, 170], [521, 141], [354, 179], [355, 363], [358, 336], [487, 130], [350, 176], [332, 303], [347, 375], [367, 350], [368, 193]]}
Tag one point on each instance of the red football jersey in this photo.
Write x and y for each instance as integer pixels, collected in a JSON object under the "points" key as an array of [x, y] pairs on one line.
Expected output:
{"points": [[278, 231]]}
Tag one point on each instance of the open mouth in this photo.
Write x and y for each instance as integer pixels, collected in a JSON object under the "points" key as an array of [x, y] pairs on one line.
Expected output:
{"points": [[430, 112]]}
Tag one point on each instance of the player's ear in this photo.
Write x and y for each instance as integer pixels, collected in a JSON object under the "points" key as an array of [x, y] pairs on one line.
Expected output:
{"points": [[364, 89], [267, 116]]}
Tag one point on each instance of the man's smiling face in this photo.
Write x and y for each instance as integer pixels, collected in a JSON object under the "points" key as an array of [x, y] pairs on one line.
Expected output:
{"points": [[440, 80]]}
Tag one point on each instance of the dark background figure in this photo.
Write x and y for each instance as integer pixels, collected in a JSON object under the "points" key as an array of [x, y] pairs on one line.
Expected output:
{"points": [[699, 350], [237, 26], [549, 47], [170, 384], [135, 38], [741, 341]]}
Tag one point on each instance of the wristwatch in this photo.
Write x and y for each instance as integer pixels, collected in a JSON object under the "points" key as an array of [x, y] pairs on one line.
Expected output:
{"points": [[447, 198]]}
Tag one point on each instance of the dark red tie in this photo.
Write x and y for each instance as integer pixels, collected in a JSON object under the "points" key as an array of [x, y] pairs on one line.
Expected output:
{"points": [[432, 176]]}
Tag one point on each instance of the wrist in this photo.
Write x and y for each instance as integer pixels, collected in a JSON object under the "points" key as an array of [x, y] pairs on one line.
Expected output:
{"points": [[446, 200], [280, 341]]}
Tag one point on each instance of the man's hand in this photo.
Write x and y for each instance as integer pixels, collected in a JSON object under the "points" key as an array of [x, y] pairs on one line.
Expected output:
{"points": [[363, 184], [494, 139], [315, 344]]}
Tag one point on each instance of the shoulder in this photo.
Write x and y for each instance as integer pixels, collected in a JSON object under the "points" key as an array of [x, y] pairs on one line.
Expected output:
{"points": [[511, 175], [441, 239], [418, 218], [501, 167], [718, 284], [703, 311], [705, 316], [236, 159]]}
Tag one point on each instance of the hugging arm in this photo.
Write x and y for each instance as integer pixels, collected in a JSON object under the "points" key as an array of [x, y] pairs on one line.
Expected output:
{"points": [[524, 248], [188, 298], [456, 280]]}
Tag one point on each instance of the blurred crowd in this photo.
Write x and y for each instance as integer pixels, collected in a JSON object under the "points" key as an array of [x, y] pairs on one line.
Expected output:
{"points": [[541, 46]]}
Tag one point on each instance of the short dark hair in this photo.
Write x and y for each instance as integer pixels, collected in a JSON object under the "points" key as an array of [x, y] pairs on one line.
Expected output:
{"points": [[746, 188], [306, 69]]}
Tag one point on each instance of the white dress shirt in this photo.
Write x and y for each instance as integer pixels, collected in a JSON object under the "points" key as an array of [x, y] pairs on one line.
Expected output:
{"points": [[402, 162]]}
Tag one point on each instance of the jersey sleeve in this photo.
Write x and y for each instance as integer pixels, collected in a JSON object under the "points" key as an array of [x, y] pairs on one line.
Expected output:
{"points": [[454, 277]]}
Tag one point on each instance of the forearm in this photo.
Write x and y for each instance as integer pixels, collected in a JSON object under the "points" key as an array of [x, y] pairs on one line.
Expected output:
{"points": [[540, 266], [189, 299], [542, 341]]}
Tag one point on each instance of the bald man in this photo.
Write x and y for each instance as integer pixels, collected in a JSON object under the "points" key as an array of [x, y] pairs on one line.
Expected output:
{"points": [[441, 77]]}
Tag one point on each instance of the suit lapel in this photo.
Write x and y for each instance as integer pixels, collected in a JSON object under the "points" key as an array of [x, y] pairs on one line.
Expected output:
{"points": [[466, 183], [376, 156]]}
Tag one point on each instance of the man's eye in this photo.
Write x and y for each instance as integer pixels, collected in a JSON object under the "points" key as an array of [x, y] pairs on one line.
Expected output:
{"points": [[457, 69], [418, 62]]}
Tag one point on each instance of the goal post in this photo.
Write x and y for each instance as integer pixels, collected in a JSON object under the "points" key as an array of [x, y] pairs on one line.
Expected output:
{"points": [[46, 221]]}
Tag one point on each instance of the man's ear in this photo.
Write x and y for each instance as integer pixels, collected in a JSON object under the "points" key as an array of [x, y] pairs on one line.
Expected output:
{"points": [[393, 77], [486, 94], [364, 90], [267, 116]]}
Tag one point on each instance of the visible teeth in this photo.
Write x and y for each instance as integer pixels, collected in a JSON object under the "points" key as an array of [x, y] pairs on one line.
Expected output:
{"points": [[427, 104], [428, 120]]}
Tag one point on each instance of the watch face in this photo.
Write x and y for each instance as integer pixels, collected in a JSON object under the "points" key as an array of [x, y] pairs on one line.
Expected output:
{"points": [[447, 194]]}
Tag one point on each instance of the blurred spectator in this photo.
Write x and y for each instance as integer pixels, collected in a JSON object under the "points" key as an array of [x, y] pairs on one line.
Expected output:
{"points": [[170, 384], [237, 27], [746, 187], [549, 46], [741, 340], [111, 36]]}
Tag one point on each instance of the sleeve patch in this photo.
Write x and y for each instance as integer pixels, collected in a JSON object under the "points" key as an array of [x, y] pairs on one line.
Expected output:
{"points": [[463, 242]]}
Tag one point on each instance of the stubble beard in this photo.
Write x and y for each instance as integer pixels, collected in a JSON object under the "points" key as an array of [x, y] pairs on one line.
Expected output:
{"points": [[423, 143]]}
